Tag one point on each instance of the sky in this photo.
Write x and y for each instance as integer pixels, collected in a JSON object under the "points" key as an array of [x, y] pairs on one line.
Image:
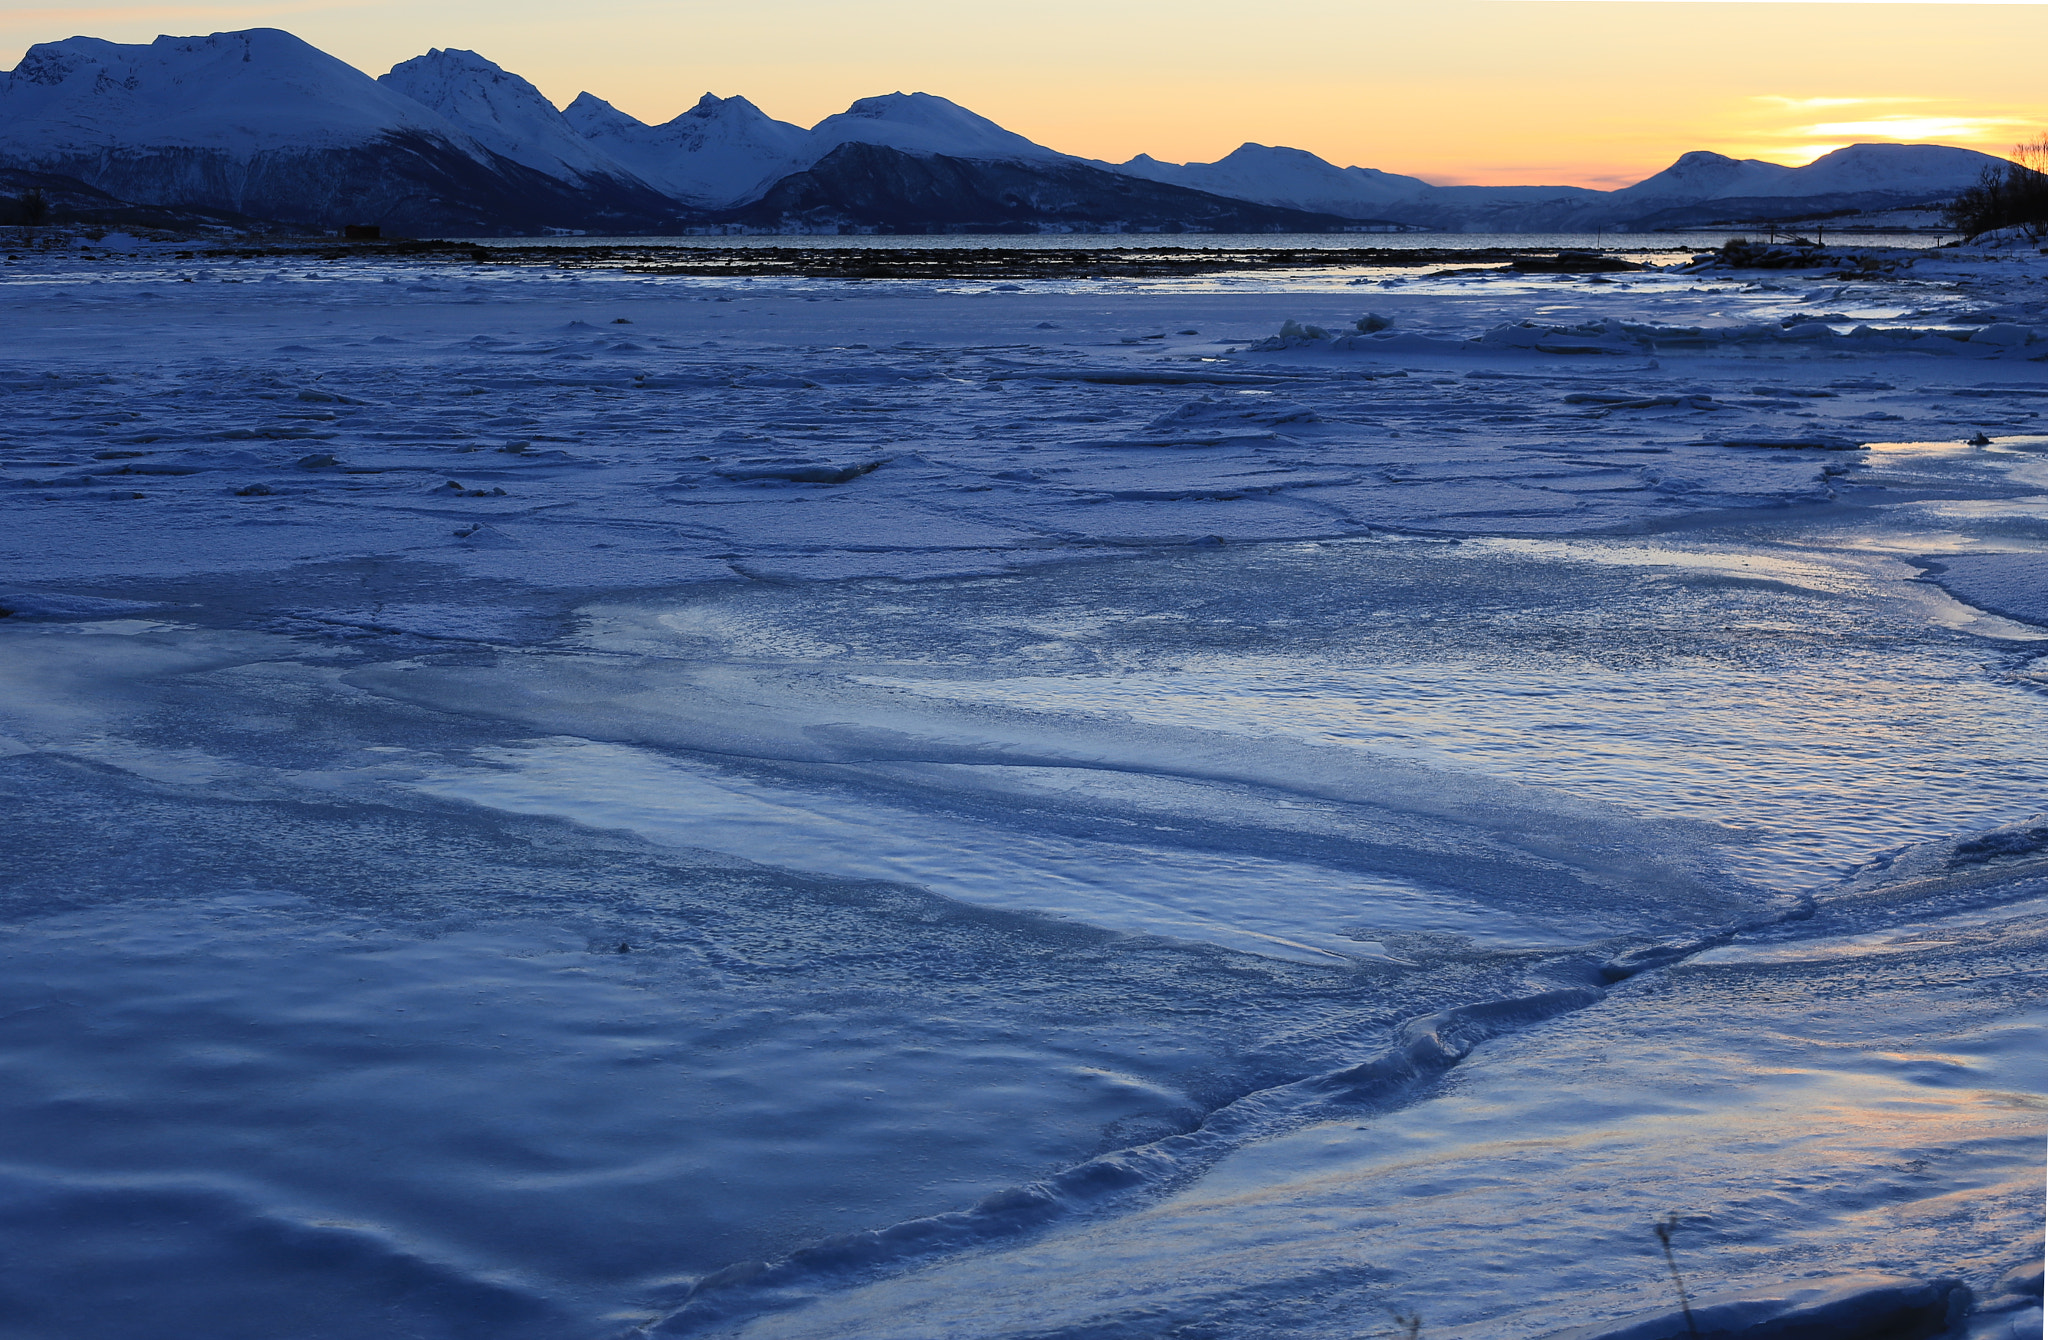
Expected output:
{"points": [[1584, 92]]}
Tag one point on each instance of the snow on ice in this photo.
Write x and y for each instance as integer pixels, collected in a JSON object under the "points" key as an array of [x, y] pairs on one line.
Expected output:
{"points": [[555, 803]]}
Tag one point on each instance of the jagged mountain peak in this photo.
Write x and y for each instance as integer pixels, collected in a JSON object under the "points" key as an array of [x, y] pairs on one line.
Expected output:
{"points": [[734, 110], [590, 115], [455, 59], [719, 152], [501, 111], [711, 105]]}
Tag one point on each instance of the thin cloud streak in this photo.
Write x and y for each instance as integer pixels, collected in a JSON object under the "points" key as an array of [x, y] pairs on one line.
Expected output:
{"points": [[1921, 127], [1815, 104]]}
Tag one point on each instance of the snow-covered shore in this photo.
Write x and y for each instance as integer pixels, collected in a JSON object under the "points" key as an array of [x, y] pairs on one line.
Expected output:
{"points": [[551, 802]]}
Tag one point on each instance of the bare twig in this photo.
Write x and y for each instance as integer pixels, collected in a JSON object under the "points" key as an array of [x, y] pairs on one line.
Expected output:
{"points": [[1664, 1231]]}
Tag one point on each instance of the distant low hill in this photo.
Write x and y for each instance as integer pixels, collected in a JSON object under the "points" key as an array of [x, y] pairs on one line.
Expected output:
{"points": [[1699, 188], [259, 125], [871, 184]]}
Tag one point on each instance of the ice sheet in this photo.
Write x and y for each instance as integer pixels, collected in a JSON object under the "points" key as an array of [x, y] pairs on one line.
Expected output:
{"points": [[1799, 1140], [545, 803]]}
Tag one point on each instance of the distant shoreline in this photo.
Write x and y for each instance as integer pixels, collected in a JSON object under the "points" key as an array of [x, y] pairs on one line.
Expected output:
{"points": [[1000, 258]]}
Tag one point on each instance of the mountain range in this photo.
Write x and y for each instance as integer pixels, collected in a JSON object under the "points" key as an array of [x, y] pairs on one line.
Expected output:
{"points": [[259, 125]]}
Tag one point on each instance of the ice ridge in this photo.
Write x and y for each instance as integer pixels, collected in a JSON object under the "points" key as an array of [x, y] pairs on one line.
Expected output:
{"points": [[1418, 1052], [1421, 1050]]}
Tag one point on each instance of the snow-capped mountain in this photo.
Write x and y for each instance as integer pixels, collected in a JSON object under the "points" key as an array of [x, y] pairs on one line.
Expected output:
{"points": [[1699, 188], [719, 153], [1921, 170], [1702, 175], [1705, 189], [726, 151], [923, 123], [262, 124], [1293, 178], [239, 93], [1917, 170], [502, 112]]}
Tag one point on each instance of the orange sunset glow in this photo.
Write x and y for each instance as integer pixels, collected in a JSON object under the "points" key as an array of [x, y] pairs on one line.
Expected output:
{"points": [[1586, 92]]}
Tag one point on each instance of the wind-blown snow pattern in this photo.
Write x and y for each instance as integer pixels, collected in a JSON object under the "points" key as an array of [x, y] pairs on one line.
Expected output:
{"points": [[571, 803]]}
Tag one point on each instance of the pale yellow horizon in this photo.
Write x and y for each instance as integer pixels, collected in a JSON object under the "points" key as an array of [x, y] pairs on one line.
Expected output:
{"points": [[1567, 92]]}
